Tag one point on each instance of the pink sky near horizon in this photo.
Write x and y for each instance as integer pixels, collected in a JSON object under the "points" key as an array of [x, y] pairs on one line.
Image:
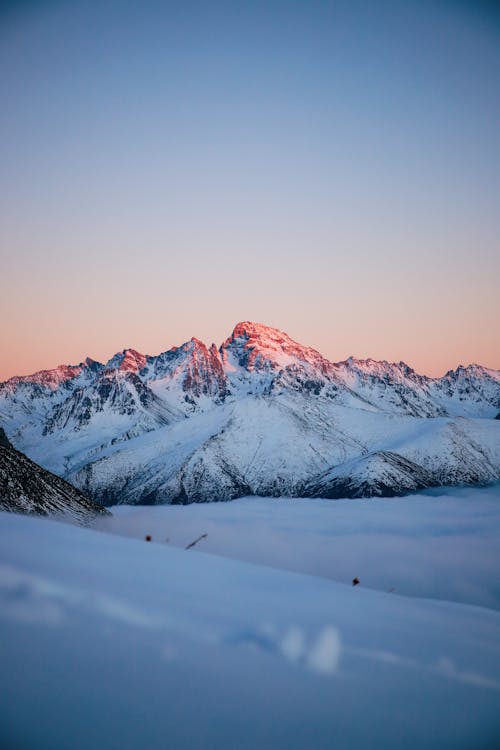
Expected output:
{"points": [[64, 348]]}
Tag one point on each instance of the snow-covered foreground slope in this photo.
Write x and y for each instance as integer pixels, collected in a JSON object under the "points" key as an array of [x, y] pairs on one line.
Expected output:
{"points": [[111, 643], [262, 415], [443, 544]]}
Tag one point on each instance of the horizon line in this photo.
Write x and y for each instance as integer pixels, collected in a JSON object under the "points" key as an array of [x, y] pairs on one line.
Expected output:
{"points": [[237, 325]]}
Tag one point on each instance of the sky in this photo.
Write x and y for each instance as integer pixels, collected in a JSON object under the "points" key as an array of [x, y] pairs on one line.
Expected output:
{"points": [[331, 169]]}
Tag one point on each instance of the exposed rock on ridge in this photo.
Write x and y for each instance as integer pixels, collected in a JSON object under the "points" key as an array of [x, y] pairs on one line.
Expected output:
{"points": [[261, 414]]}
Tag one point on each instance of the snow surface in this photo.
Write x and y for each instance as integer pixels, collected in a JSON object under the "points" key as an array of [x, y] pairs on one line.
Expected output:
{"points": [[261, 415], [441, 543], [112, 642]]}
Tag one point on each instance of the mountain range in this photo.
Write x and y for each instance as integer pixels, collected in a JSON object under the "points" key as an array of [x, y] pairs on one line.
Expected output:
{"points": [[259, 415]]}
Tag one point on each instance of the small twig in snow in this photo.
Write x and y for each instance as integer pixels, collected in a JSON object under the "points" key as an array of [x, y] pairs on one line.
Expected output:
{"points": [[196, 541]]}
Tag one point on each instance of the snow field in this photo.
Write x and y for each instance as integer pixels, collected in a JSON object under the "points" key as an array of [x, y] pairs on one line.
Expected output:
{"points": [[113, 642]]}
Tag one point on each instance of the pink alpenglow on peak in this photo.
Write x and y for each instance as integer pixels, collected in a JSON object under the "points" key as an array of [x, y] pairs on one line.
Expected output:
{"points": [[49, 378], [132, 361], [204, 374], [129, 360], [251, 346], [257, 346]]}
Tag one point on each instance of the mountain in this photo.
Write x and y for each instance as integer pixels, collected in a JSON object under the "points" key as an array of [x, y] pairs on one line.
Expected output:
{"points": [[27, 488], [261, 414]]}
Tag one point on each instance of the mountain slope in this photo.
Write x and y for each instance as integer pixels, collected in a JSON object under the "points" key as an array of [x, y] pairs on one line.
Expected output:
{"points": [[27, 488], [261, 414]]}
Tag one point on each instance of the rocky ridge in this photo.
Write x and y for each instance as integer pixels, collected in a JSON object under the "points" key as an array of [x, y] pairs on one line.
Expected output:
{"points": [[261, 414], [27, 488]]}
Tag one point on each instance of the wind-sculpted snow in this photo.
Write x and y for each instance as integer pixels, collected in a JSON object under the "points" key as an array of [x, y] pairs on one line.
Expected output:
{"points": [[261, 414]]}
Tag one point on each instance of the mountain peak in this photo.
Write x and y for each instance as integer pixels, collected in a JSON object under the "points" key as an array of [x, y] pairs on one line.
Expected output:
{"points": [[258, 346], [472, 370], [132, 361], [51, 379], [258, 334], [379, 368], [197, 343], [128, 360], [249, 329]]}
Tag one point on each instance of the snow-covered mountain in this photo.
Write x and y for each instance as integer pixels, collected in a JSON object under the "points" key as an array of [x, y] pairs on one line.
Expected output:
{"points": [[27, 488], [262, 415]]}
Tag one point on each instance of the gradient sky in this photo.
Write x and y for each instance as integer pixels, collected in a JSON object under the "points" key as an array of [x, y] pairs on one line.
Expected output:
{"points": [[328, 168]]}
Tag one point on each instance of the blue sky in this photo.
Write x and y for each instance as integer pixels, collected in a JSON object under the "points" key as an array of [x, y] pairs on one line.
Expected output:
{"points": [[329, 168]]}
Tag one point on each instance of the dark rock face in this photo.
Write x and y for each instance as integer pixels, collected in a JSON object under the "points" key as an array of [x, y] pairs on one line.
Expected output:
{"points": [[4, 440], [27, 488]]}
